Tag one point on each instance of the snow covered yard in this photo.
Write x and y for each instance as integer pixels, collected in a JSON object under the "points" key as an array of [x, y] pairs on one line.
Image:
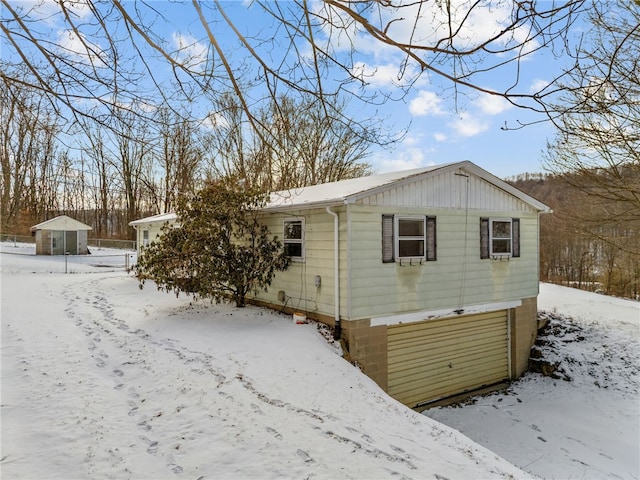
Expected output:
{"points": [[103, 380], [584, 420]]}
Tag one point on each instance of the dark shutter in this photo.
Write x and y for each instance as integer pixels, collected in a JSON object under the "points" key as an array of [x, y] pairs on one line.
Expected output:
{"points": [[484, 238], [431, 239], [515, 236], [387, 239]]}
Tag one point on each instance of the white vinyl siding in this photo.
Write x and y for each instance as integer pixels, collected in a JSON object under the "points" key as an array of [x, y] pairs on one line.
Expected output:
{"points": [[459, 277], [371, 288], [298, 281]]}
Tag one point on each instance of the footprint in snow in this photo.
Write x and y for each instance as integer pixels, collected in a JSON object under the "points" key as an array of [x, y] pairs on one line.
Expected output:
{"points": [[274, 432], [305, 456]]}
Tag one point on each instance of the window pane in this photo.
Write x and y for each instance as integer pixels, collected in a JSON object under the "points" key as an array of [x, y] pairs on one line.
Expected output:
{"points": [[410, 248], [501, 229], [293, 230], [293, 249], [501, 246], [410, 228]]}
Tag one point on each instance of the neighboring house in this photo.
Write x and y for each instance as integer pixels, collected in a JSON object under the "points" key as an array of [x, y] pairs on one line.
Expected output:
{"points": [[61, 235], [430, 275], [149, 228]]}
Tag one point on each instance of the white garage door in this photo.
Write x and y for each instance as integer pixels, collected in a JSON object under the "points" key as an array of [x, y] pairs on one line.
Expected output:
{"points": [[438, 358]]}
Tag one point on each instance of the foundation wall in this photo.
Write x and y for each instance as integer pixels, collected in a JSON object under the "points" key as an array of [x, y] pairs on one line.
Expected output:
{"points": [[524, 329], [367, 347]]}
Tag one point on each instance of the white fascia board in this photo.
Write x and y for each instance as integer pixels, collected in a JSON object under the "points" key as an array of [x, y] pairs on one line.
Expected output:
{"points": [[424, 315]]}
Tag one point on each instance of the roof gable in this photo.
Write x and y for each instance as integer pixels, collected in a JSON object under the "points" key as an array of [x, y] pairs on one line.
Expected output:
{"points": [[433, 186], [61, 222]]}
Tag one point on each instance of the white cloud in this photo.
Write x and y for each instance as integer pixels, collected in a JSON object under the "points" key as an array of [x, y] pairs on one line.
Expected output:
{"points": [[189, 51], [492, 104], [467, 125], [80, 48], [538, 85], [50, 13], [402, 159], [383, 75], [440, 137], [426, 103]]}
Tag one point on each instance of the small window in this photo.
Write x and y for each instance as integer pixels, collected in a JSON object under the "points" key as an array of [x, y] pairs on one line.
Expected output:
{"points": [[145, 238], [499, 237], [408, 238], [294, 238]]}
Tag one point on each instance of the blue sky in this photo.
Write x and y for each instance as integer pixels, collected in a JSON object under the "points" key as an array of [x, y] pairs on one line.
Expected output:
{"points": [[442, 128]]}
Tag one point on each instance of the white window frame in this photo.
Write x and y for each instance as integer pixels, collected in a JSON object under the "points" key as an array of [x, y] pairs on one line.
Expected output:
{"points": [[492, 253], [301, 241], [145, 237], [398, 238]]}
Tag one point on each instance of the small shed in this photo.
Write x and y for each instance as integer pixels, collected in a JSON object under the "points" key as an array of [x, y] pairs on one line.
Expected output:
{"points": [[61, 235]]}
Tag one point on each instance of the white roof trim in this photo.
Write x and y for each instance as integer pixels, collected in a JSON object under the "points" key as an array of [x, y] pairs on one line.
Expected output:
{"points": [[426, 315], [160, 218]]}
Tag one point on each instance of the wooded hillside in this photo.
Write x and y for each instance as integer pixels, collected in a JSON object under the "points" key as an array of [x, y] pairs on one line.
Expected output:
{"points": [[589, 241]]}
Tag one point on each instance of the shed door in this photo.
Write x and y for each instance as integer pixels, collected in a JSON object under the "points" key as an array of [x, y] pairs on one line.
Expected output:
{"points": [[57, 242], [71, 242], [439, 358]]}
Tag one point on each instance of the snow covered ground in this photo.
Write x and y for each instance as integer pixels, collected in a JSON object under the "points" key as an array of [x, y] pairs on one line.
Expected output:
{"points": [[586, 422], [103, 380]]}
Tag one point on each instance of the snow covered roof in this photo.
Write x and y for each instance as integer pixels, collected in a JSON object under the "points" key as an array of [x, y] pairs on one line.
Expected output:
{"points": [[349, 191], [63, 223], [162, 217]]}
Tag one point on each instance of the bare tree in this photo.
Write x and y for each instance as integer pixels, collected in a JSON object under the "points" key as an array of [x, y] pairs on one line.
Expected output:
{"points": [[28, 154], [597, 148], [118, 53], [178, 158], [296, 144]]}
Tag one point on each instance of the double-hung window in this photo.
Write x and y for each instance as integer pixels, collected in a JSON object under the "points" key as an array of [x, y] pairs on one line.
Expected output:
{"points": [[499, 237], [294, 238], [408, 237]]}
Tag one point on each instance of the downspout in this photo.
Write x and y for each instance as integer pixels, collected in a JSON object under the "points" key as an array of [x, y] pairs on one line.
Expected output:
{"points": [[336, 275]]}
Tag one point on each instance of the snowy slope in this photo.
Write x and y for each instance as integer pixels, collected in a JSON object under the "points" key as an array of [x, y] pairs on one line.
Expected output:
{"points": [[103, 380]]}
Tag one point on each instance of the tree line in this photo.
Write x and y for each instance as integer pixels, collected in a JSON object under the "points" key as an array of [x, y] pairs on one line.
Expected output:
{"points": [[588, 242], [140, 165]]}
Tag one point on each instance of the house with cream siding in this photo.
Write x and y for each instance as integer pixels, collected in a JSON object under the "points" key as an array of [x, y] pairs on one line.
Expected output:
{"points": [[429, 276], [148, 229]]}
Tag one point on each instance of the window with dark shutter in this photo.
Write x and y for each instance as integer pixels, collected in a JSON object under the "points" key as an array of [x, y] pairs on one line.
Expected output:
{"points": [[484, 238], [387, 239], [515, 232], [499, 237], [431, 239], [408, 237]]}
